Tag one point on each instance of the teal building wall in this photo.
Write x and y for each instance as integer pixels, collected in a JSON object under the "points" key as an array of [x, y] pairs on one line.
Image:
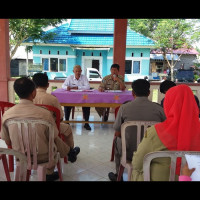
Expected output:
{"points": [[75, 57]]}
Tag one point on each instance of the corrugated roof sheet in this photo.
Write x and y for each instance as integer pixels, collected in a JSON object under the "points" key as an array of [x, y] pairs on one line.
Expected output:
{"points": [[97, 32], [178, 51], [92, 26], [160, 57]]}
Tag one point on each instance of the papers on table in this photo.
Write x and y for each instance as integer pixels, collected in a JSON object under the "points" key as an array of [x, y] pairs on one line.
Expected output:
{"points": [[88, 90], [76, 90], [81, 90], [113, 91], [72, 90], [194, 162]]}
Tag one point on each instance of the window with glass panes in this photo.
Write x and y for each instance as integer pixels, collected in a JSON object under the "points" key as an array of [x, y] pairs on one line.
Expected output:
{"points": [[132, 67], [136, 67], [55, 64], [128, 67], [45, 64], [62, 65]]}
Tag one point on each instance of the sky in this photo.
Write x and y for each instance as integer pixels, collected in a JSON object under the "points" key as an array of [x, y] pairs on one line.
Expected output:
{"points": [[64, 22]]}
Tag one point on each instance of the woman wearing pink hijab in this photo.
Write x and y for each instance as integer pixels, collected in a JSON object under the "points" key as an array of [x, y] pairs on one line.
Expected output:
{"points": [[180, 131]]}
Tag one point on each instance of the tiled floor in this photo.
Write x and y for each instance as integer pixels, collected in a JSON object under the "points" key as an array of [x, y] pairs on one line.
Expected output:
{"points": [[93, 162]]}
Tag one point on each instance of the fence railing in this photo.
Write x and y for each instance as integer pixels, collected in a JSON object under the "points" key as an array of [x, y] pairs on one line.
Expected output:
{"points": [[154, 96]]}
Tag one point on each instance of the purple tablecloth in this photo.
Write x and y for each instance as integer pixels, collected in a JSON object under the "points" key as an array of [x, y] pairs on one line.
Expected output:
{"points": [[92, 97]]}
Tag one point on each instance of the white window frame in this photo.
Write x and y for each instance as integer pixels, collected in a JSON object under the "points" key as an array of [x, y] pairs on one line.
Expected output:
{"points": [[59, 64], [135, 59], [42, 64], [55, 56], [132, 66]]}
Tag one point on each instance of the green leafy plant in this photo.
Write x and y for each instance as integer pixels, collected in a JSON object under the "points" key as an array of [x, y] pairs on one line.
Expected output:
{"points": [[168, 35]]}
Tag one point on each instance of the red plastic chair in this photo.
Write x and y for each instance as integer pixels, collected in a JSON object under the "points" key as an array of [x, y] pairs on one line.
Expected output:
{"points": [[3, 106], [57, 112]]}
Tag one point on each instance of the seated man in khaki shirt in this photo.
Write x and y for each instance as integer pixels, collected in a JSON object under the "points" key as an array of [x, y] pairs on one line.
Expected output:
{"points": [[42, 97], [141, 108], [25, 89], [114, 81]]}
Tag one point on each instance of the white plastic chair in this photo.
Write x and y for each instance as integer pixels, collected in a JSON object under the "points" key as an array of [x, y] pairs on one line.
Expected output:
{"points": [[56, 111], [165, 154], [124, 162], [28, 145], [22, 162]]}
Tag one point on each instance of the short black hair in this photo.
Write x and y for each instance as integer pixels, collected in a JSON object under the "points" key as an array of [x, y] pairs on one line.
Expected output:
{"points": [[24, 87], [40, 79], [115, 66], [165, 85], [141, 87]]}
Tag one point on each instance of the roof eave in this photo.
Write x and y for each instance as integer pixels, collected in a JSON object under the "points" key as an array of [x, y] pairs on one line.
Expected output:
{"points": [[93, 46], [44, 44], [90, 32], [140, 46]]}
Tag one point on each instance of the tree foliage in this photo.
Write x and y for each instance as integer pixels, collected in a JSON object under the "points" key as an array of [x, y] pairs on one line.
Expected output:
{"points": [[22, 29], [168, 34], [144, 26]]}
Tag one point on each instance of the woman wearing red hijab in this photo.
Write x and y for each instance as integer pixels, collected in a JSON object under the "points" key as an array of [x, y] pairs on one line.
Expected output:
{"points": [[180, 131]]}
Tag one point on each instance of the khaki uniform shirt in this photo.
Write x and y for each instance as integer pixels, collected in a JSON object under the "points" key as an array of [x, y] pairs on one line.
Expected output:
{"points": [[42, 97], [109, 84], [159, 166], [138, 109], [26, 109]]}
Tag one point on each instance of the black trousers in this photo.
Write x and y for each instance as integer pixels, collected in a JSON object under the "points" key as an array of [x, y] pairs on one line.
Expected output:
{"points": [[86, 112]]}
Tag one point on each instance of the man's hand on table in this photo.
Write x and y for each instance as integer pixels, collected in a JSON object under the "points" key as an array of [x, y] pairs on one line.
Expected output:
{"points": [[101, 89], [74, 88]]}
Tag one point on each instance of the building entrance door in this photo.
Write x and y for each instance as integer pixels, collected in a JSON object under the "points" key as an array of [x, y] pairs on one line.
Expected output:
{"points": [[92, 62], [95, 64]]}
